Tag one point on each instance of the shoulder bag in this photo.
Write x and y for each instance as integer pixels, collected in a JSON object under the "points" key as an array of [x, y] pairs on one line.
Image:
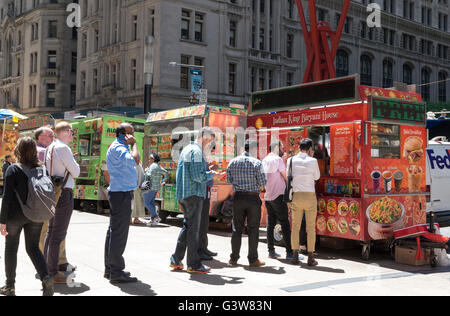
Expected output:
{"points": [[288, 193]]}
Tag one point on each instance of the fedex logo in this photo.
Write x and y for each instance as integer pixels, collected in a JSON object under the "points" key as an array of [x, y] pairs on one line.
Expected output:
{"points": [[440, 162]]}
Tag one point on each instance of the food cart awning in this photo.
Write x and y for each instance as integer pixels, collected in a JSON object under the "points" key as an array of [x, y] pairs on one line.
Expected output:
{"points": [[8, 114]]}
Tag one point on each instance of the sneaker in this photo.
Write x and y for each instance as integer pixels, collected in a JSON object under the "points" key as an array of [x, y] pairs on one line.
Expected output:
{"points": [[7, 291], [67, 268], [274, 255], [202, 270], [47, 286], [257, 263], [176, 266], [290, 256]]}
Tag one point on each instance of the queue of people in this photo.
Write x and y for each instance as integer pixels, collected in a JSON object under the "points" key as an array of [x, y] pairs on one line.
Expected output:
{"points": [[249, 177]]}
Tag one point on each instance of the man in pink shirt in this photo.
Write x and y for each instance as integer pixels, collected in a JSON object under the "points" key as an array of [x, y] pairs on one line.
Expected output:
{"points": [[275, 170]]}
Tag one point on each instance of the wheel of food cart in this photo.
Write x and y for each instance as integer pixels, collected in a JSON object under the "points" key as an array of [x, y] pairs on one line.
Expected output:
{"points": [[366, 247]]}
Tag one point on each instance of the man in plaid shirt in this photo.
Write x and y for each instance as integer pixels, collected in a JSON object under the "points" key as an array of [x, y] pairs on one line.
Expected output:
{"points": [[247, 176], [192, 177]]}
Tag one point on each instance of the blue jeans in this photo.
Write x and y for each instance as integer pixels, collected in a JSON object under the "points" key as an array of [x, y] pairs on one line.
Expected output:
{"points": [[149, 201], [190, 233]]}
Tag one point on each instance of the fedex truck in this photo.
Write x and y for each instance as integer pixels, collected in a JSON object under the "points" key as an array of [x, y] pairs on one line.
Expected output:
{"points": [[438, 180]]}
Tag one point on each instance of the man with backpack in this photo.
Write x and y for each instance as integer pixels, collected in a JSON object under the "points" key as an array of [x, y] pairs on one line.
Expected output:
{"points": [[61, 164]]}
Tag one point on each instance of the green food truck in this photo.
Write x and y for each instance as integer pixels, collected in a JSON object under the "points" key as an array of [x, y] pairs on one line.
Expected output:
{"points": [[166, 131], [91, 140]]}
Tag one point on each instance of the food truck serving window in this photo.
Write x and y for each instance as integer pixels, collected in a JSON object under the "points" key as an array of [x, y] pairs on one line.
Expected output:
{"points": [[385, 141]]}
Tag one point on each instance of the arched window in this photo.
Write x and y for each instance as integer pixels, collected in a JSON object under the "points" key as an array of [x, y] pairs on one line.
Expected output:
{"points": [[388, 80], [426, 78], [366, 70], [442, 86], [341, 63], [407, 74]]}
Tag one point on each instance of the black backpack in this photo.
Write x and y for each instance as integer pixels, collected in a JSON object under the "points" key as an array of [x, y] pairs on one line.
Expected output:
{"points": [[41, 204]]}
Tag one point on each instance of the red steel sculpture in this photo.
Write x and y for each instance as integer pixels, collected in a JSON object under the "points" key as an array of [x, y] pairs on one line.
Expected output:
{"points": [[320, 55]]}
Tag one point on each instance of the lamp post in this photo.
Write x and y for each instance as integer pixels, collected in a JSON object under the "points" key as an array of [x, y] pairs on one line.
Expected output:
{"points": [[148, 72]]}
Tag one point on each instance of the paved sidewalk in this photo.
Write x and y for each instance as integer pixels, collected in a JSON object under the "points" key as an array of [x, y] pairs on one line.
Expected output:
{"points": [[149, 250]]}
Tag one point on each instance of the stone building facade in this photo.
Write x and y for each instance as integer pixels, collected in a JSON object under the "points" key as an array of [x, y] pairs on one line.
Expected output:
{"points": [[248, 45], [37, 56]]}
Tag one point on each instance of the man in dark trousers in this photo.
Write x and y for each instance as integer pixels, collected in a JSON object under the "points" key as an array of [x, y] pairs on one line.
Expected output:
{"points": [[6, 165], [247, 176], [121, 164]]}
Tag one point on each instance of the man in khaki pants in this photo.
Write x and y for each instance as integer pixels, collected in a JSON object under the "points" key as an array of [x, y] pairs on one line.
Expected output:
{"points": [[305, 171], [44, 138]]}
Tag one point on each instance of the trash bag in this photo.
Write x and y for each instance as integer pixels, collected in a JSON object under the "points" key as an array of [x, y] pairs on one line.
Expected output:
{"points": [[442, 258]]}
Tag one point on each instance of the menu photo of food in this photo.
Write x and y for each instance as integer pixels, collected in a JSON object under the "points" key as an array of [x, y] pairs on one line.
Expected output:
{"points": [[332, 207], [384, 216], [321, 224], [343, 208], [332, 225], [322, 206], [413, 149], [341, 218], [355, 209]]}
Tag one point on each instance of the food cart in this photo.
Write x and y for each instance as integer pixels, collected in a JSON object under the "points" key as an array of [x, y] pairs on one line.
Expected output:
{"points": [[167, 132], [8, 137], [370, 144], [91, 140]]}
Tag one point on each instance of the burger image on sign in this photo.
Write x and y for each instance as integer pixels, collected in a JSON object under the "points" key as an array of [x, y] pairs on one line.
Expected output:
{"points": [[413, 149]]}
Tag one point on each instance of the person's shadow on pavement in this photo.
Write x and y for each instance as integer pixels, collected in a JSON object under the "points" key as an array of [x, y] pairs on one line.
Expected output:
{"points": [[71, 288], [214, 279], [136, 289]]}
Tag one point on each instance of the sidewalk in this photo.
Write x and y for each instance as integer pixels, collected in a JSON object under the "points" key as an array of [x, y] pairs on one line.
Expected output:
{"points": [[149, 250]]}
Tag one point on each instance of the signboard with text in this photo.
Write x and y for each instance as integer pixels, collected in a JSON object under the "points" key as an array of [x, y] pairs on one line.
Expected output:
{"points": [[35, 122], [397, 111]]}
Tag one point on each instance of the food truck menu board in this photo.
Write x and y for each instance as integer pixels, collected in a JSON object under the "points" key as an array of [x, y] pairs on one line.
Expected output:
{"points": [[394, 174], [342, 162], [340, 218]]}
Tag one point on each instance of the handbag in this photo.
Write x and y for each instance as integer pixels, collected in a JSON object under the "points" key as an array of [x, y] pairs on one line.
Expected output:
{"points": [[288, 192]]}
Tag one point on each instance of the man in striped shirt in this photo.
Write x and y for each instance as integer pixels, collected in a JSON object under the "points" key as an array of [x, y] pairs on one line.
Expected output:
{"points": [[192, 178], [247, 176]]}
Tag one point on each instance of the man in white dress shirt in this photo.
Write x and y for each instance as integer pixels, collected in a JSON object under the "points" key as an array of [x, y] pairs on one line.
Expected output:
{"points": [[305, 172], [59, 162]]}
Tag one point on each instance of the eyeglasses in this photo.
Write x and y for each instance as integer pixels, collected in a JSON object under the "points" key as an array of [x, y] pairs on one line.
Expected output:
{"points": [[49, 135]]}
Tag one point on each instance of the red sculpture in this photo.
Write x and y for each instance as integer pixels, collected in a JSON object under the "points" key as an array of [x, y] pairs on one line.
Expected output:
{"points": [[320, 55]]}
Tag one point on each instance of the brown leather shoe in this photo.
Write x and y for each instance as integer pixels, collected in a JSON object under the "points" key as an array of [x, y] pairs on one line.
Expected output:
{"points": [[257, 263], [311, 261], [61, 279], [233, 262], [295, 258]]}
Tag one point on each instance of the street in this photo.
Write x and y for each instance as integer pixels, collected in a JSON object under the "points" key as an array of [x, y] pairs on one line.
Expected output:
{"points": [[149, 249]]}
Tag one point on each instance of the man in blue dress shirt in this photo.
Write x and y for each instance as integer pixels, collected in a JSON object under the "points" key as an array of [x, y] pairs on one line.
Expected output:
{"points": [[121, 164]]}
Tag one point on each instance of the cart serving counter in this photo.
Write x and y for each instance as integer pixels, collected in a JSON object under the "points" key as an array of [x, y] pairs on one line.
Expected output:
{"points": [[166, 133], [370, 145]]}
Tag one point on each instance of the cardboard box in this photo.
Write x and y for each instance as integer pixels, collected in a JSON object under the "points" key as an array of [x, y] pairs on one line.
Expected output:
{"points": [[407, 255]]}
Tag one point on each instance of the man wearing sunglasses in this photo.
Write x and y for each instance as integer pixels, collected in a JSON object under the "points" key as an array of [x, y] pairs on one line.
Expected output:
{"points": [[44, 138], [60, 162]]}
